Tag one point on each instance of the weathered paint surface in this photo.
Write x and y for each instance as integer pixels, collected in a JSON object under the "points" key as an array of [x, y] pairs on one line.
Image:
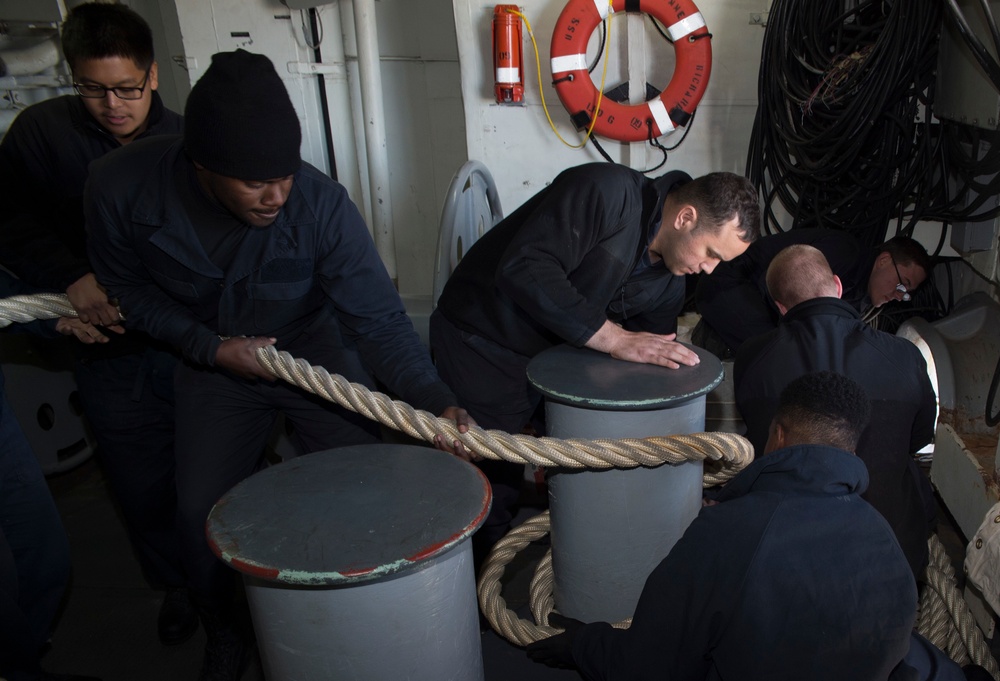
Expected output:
{"points": [[348, 515], [589, 379]]}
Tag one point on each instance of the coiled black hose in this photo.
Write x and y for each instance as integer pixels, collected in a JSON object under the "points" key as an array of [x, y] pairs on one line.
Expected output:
{"points": [[844, 137]]}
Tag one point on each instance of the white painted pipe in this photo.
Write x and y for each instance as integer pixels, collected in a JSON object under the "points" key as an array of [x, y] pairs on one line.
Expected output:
{"points": [[339, 101], [26, 61], [370, 72]]}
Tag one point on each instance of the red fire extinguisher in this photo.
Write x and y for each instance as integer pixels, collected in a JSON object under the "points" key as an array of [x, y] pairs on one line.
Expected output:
{"points": [[508, 58]]}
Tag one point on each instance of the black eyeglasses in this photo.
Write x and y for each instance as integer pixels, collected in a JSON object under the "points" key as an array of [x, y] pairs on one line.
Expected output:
{"points": [[91, 91], [900, 287]]}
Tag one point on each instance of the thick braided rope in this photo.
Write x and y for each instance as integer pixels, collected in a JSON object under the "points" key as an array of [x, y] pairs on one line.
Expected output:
{"points": [[724, 454], [505, 621], [944, 617], [23, 309]]}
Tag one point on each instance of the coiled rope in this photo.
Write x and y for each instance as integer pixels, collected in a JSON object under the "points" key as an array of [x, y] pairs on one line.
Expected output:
{"points": [[944, 617], [505, 621]]}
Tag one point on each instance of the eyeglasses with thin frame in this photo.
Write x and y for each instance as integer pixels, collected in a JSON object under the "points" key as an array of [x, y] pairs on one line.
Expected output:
{"points": [[901, 287], [91, 91]]}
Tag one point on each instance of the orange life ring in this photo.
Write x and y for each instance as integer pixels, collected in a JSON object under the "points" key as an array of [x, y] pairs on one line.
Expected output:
{"points": [[672, 108]]}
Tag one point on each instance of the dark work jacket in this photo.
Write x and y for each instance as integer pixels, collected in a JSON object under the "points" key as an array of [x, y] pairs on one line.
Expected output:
{"points": [[734, 301], [44, 160], [558, 267], [791, 576], [827, 334], [315, 266]]}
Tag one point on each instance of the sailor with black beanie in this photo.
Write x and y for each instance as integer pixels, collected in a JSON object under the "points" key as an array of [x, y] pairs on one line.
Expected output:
{"points": [[224, 242], [226, 129]]}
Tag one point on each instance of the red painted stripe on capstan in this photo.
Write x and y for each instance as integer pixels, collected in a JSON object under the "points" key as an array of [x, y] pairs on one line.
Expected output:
{"points": [[464, 532], [253, 569], [357, 573]]}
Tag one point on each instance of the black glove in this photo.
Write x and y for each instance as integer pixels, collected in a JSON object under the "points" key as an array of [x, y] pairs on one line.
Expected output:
{"points": [[556, 651], [973, 672]]}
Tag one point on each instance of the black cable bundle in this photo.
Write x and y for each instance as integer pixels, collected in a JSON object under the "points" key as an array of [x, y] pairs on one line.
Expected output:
{"points": [[965, 178], [838, 137]]}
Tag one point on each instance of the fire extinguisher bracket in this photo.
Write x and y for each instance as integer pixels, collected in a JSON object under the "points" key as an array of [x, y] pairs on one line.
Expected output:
{"points": [[508, 55]]}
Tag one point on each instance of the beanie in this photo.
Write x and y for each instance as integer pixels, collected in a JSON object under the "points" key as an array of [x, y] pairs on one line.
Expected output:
{"points": [[240, 122]]}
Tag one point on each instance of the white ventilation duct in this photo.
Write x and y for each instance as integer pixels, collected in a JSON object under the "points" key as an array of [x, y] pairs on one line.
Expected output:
{"points": [[31, 59]]}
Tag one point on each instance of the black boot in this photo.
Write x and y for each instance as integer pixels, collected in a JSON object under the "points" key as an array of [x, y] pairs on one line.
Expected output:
{"points": [[973, 672], [226, 650], [178, 618]]}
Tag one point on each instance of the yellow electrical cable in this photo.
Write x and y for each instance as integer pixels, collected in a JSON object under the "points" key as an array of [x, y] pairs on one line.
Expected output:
{"points": [[600, 90]]}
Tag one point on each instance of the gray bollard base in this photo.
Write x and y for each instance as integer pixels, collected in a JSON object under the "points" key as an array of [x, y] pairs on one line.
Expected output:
{"points": [[400, 627], [611, 528], [358, 564]]}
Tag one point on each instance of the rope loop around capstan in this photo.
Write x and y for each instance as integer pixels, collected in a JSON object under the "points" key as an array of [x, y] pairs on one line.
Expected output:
{"points": [[944, 617], [724, 454]]}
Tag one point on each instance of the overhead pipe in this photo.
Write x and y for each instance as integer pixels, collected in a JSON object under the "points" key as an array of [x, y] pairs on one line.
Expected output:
{"points": [[341, 123], [27, 61], [19, 69], [373, 111]]}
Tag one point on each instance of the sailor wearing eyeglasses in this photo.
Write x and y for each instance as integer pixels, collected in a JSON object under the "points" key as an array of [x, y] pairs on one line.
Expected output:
{"points": [[734, 303], [819, 331], [121, 109], [125, 381]]}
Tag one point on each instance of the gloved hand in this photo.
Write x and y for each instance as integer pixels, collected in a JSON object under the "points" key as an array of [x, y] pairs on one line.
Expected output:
{"points": [[556, 651]]}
